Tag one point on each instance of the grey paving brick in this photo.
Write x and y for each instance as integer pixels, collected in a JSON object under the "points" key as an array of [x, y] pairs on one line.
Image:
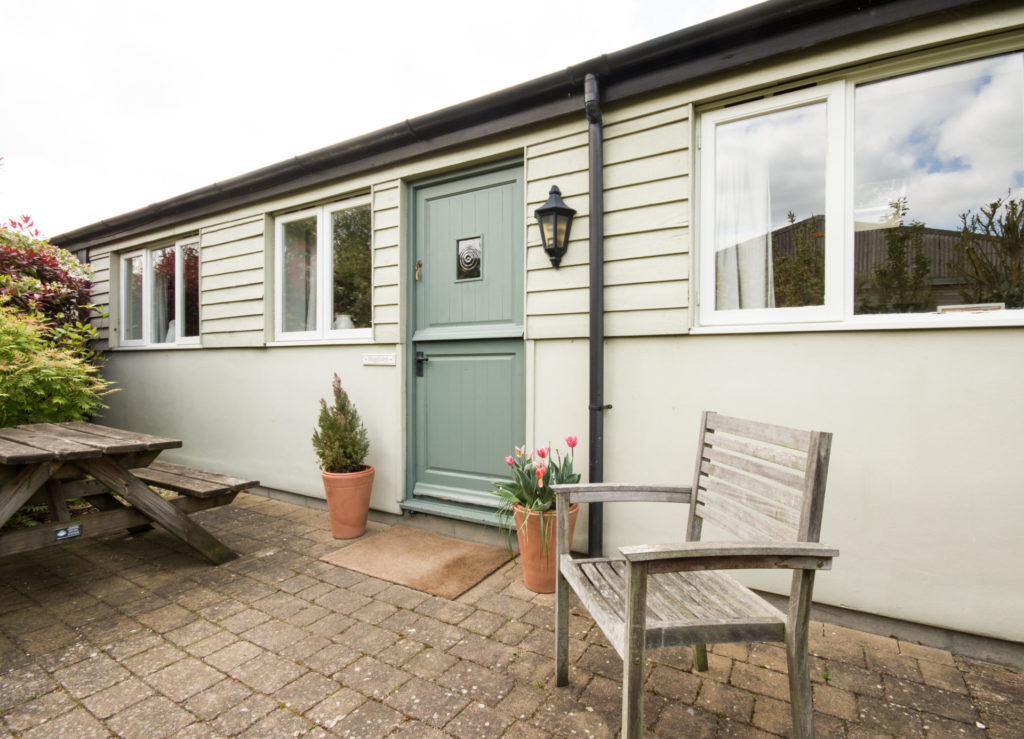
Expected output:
{"points": [[153, 717], [372, 678], [477, 683], [335, 707], [478, 720], [154, 659], [307, 691], [76, 724], [106, 703], [428, 702], [213, 701], [369, 721], [90, 676], [36, 711], [240, 717], [184, 679], [267, 672]]}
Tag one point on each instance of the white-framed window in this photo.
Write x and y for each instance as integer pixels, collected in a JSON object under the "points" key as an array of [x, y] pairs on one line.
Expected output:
{"points": [[323, 273], [160, 295], [867, 202]]}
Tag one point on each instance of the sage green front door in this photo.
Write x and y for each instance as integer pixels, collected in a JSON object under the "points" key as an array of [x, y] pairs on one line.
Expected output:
{"points": [[467, 378]]}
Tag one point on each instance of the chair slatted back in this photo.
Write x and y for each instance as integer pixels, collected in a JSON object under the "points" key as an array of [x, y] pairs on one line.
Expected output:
{"points": [[759, 481]]}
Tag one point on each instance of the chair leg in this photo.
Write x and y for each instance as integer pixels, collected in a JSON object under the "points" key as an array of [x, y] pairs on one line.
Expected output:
{"points": [[700, 657], [561, 631], [634, 654], [633, 696]]}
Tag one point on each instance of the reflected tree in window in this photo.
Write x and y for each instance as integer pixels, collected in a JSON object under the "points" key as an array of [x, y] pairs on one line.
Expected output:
{"points": [[799, 262], [989, 256], [901, 283], [352, 267], [190, 288]]}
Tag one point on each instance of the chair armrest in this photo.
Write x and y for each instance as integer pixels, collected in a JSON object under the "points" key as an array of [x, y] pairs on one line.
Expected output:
{"points": [[730, 555], [607, 492]]}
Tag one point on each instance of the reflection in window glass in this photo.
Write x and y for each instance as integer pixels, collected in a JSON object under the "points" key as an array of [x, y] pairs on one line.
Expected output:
{"points": [[299, 275], [933, 152], [190, 288], [162, 296], [769, 210], [131, 329], [350, 291]]}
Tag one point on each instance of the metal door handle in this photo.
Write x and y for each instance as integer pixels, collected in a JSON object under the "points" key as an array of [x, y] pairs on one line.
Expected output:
{"points": [[421, 359]]}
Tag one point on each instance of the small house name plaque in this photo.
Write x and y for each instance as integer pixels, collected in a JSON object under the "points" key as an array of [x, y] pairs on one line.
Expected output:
{"points": [[379, 359]]}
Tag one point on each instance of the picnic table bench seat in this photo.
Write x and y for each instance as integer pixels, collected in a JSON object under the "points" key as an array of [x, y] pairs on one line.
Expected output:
{"points": [[191, 481], [764, 485]]}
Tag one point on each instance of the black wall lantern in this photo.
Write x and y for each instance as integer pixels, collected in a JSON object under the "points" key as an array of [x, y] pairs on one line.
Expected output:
{"points": [[555, 219]]}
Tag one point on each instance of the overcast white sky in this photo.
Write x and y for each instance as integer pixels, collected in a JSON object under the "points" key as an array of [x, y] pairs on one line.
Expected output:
{"points": [[110, 105]]}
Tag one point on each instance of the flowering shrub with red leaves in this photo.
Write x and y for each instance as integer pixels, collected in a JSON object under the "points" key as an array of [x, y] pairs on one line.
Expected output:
{"points": [[49, 283]]}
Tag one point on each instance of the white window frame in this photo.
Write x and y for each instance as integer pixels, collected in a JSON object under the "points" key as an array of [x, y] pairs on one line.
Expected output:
{"points": [[832, 95], [324, 276], [838, 313], [146, 254]]}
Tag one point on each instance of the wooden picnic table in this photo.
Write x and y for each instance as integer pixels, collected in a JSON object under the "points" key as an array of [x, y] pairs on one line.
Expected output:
{"points": [[52, 462]]}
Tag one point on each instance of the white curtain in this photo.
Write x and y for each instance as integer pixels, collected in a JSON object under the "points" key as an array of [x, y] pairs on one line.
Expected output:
{"points": [[743, 232]]}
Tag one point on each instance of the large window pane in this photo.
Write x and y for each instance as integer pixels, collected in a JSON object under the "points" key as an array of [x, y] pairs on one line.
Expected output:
{"points": [[190, 288], [769, 224], [934, 152], [299, 275], [162, 297], [131, 328], [351, 268]]}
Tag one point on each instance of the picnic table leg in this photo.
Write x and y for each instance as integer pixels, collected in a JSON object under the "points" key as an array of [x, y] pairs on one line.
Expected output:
{"points": [[15, 492], [136, 492]]}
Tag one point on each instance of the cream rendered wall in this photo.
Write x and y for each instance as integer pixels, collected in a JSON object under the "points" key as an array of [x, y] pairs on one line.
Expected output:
{"points": [[251, 412], [925, 497]]}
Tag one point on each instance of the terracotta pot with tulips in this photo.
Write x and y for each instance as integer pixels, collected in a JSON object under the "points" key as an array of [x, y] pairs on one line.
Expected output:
{"points": [[528, 506]]}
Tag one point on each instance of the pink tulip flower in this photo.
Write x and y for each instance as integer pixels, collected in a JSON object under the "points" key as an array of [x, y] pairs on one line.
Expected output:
{"points": [[542, 452], [510, 461], [572, 441], [520, 450], [541, 470]]}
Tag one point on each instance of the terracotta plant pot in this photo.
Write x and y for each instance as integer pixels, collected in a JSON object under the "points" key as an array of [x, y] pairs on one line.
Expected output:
{"points": [[536, 552], [348, 501]]}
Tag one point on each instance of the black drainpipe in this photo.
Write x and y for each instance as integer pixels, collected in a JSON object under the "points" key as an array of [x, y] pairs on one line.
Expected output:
{"points": [[592, 104]]}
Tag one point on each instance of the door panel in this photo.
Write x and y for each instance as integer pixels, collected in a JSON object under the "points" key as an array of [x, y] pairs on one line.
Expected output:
{"points": [[469, 414], [480, 216], [467, 399]]}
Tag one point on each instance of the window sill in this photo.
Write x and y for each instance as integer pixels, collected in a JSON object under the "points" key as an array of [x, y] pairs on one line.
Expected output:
{"points": [[155, 347], [983, 319], [362, 340]]}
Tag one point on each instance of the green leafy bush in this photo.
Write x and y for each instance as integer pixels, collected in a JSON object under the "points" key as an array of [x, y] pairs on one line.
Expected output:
{"points": [[40, 383], [340, 440]]}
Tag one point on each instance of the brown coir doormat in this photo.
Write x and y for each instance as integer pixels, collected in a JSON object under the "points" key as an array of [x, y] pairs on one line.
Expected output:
{"points": [[421, 560]]}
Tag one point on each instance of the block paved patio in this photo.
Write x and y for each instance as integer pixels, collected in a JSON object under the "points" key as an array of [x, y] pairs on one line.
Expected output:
{"points": [[139, 638]]}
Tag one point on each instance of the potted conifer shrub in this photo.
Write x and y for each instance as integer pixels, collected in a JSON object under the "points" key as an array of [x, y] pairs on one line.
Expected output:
{"points": [[341, 445]]}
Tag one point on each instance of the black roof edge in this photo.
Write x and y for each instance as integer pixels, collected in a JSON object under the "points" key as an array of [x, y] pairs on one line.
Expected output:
{"points": [[719, 45]]}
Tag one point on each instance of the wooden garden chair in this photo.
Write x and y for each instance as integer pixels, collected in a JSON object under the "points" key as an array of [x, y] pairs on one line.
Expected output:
{"points": [[763, 484]]}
